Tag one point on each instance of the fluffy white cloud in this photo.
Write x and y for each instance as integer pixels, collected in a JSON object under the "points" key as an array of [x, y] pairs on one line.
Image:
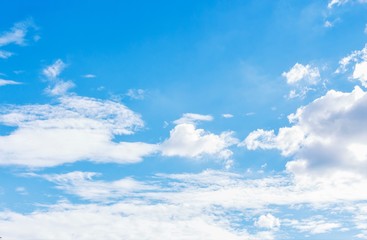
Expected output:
{"points": [[268, 221], [188, 141], [301, 72], [4, 82], [358, 59], [76, 128], [327, 134], [301, 77], [360, 73]]}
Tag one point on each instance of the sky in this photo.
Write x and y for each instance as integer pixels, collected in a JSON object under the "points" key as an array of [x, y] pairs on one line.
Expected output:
{"points": [[238, 120]]}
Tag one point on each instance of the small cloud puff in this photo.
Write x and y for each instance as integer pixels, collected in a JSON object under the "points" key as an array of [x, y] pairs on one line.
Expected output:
{"points": [[192, 118], [268, 221], [89, 76], [301, 77]]}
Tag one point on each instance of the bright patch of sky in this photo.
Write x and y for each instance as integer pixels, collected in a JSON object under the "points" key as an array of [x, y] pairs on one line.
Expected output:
{"points": [[183, 120]]}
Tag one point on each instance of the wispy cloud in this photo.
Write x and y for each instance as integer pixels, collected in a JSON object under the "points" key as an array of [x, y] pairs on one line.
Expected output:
{"points": [[53, 71], [136, 94], [4, 82], [89, 76], [5, 54], [17, 34]]}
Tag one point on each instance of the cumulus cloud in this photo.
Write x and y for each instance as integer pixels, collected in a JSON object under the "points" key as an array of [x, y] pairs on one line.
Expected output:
{"points": [[4, 82], [188, 141], [268, 221], [76, 128], [358, 60], [301, 78], [326, 134]]}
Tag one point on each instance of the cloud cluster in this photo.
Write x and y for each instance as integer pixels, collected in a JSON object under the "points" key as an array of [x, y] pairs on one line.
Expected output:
{"points": [[301, 78], [186, 140], [209, 205], [75, 128], [358, 60], [325, 135]]}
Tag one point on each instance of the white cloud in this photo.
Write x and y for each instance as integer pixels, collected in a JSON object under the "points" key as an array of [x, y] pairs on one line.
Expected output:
{"points": [[301, 77], [359, 60], [360, 73], [119, 221], [268, 221], [17, 33], [187, 141], [4, 82], [192, 118], [300, 73], [336, 2], [190, 206], [325, 135], [89, 76], [227, 115], [60, 88], [314, 225], [328, 24], [5, 54], [136, 94], [76, 128], [84, 186], [53, 71], [333, 3]]}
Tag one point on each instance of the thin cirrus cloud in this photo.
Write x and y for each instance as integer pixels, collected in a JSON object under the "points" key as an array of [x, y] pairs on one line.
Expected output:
{"points": [[5, 54], [4, 82]]}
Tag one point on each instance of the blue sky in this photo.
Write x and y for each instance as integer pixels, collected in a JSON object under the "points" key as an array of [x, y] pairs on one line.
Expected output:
{"points": [[239, 120]]}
